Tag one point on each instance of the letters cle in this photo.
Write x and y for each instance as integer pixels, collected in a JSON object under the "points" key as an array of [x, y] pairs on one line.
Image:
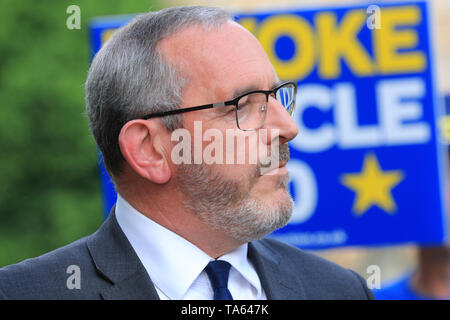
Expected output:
{"points": [[399, 113]]}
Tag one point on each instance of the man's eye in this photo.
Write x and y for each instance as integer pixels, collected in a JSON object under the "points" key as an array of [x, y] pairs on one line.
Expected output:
{"points": [[242, 105], [227, 110], [231, 110], [243, 101]]}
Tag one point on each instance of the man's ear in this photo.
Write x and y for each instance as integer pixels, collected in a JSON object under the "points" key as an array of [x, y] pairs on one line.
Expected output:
{"points": [[141, 143]]}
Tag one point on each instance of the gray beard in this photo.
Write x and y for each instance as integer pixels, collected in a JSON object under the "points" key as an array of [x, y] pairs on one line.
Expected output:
{"points": [[226, 205]]}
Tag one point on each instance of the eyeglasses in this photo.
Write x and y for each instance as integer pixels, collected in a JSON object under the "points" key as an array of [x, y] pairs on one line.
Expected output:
{"points": [[250, 108]]}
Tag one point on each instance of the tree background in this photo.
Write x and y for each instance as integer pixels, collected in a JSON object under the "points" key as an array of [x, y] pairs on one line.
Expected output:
{"points": [[49, 181]]}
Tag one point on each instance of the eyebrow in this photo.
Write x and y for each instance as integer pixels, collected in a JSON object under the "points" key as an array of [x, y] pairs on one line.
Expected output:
{"points": [[240, 91], [253, 87]]}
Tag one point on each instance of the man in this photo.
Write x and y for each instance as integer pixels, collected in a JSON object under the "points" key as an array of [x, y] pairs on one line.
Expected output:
{"points": [[430, 279], [183, 230]]}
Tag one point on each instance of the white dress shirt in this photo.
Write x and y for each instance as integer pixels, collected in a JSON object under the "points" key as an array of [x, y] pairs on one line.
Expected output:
{"points": [[176, 266]]}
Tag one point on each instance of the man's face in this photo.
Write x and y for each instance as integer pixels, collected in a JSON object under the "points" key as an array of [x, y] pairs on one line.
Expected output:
{"points": [[234, 198]]}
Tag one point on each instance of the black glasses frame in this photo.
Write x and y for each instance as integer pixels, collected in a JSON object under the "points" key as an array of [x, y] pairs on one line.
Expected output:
{"points": [[233, 102]]}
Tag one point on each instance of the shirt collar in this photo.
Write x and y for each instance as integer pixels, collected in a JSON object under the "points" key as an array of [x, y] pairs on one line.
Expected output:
{"points": [[239, 260], [172, 262]]}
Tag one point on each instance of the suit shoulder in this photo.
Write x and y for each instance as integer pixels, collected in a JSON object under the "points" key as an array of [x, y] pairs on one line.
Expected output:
{"points": [[320, 277], [42, 273], [308, 259]]}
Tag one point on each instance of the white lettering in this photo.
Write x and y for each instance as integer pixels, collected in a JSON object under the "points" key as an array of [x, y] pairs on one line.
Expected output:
{"points": [[351, 135], [374, 280], [319, 139], [74, 280], [181, 152], [398, 109], [305, 190], [74, 20], [399, 117]]}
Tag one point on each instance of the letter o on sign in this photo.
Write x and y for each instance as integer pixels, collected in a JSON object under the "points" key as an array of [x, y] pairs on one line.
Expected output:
{"points": [[303, 37], [306, 192]]}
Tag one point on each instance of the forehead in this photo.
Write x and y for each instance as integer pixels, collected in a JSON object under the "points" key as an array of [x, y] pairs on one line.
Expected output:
{"points": [[218, 62]]}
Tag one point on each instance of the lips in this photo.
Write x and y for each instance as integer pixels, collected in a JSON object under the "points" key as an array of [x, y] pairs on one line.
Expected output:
{"points": [[283, 157], [275, 171], [270, 170], [282, 160]]}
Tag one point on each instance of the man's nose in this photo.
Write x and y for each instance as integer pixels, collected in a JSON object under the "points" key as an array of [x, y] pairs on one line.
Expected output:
{"points": [[277, 117]]}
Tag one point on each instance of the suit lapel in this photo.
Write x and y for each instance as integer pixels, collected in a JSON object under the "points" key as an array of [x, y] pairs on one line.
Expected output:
{"points": [[277, 283], [116, 261], [137, 287]]}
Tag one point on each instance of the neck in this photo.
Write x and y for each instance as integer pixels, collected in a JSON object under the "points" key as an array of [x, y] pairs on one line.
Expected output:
{"points": [[169, 212]]}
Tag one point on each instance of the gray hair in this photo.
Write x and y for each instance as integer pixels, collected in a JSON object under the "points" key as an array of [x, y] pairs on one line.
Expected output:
{"points": [[129, 77]]}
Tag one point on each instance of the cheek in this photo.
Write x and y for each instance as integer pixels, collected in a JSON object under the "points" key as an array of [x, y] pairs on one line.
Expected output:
{"points": [[241, 156], [241, 148], [229, 151], [244, 174]]}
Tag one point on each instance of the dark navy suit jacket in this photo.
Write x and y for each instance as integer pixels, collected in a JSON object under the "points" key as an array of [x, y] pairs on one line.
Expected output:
{"points": [[110, 269]]}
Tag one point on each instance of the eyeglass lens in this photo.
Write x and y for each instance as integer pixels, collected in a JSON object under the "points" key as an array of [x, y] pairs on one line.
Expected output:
{"points": [[251, 108]]}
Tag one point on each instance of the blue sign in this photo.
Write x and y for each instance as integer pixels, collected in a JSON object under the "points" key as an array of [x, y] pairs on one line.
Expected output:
{"points": [[367, 165]]}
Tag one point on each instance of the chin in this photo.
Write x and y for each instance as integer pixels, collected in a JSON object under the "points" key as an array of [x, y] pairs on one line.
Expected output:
{"points": [[258, 218]]}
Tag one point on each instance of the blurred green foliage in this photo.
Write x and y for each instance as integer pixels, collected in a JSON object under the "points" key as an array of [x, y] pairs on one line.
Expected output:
{"points": [[49, 190]]}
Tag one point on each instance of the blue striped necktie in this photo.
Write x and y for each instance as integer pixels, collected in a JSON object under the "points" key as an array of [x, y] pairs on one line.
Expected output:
{"points": [[218, 272]]}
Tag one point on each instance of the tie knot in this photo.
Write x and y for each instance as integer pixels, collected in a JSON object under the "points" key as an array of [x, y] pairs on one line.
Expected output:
{"points": [[218, 272]]}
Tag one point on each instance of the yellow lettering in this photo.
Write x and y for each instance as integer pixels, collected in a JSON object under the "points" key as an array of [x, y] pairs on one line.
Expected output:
{"points": [[250, 24], [341, 41], [106, 34], [388, 40], [301, 33], [444, 126]]}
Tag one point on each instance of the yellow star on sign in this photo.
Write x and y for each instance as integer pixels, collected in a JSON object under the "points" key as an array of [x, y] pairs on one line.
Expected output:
{"points": [[372, 186]]}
